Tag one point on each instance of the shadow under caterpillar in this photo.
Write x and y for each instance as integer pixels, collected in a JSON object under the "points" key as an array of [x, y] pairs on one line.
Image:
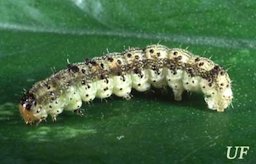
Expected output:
{"points": [[117, 73]]}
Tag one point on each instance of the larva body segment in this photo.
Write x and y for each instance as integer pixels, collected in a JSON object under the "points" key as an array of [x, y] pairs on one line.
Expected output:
{"points": [[117, 73], [139, 75], [175, 73], [156, 56]]}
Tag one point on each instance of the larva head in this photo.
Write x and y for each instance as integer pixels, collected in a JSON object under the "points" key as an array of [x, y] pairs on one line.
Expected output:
{"points": [[26, 106]]}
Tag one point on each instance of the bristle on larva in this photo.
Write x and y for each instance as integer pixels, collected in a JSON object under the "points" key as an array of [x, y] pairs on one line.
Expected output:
{"points": [[117, 73]]}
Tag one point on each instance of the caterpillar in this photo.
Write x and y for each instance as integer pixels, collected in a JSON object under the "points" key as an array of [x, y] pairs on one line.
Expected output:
{"points": [[118, 73]]}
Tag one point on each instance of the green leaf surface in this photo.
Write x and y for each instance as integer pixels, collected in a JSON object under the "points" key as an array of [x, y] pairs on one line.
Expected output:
{"points": [[37, 37]]}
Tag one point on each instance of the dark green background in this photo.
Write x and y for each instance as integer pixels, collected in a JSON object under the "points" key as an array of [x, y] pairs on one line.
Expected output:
{"points": [[37, 37]]}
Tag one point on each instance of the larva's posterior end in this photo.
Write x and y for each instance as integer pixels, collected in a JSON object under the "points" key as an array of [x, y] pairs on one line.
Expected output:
{"points": [[27, 115]]}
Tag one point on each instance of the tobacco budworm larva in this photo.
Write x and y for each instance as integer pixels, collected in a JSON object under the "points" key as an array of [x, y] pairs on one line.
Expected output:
{"points": [[118, 73]]}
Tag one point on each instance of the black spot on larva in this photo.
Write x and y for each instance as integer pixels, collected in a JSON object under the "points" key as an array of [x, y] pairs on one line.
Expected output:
{"points": [[88, 86], [175, 86], [193, 81], [158, 54], [119, 62], [50, 106], [119, 73], [197, 59], [139, 84], [210, 84], [48, 87], [227, 85], [56, 102], [51, 93], [137, 57], [178, 58], [221, 84], [171, 66], [154, 81], [153, 67], [124, 79], [213, 93], [175, 53], [215, 70], [121, 89], [216, 67], [151, 51], [190, 71], [107, 81], [94, 63], [102, 65], [174, 73], [83, 82], [73, 68], [105, 89], [52, 98], [129, 55], [102, 76], [187, 83], [203, 87], [110, 59], [83, 71], [86, 95], [221, 73], [201, 64], [136, 70]]}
